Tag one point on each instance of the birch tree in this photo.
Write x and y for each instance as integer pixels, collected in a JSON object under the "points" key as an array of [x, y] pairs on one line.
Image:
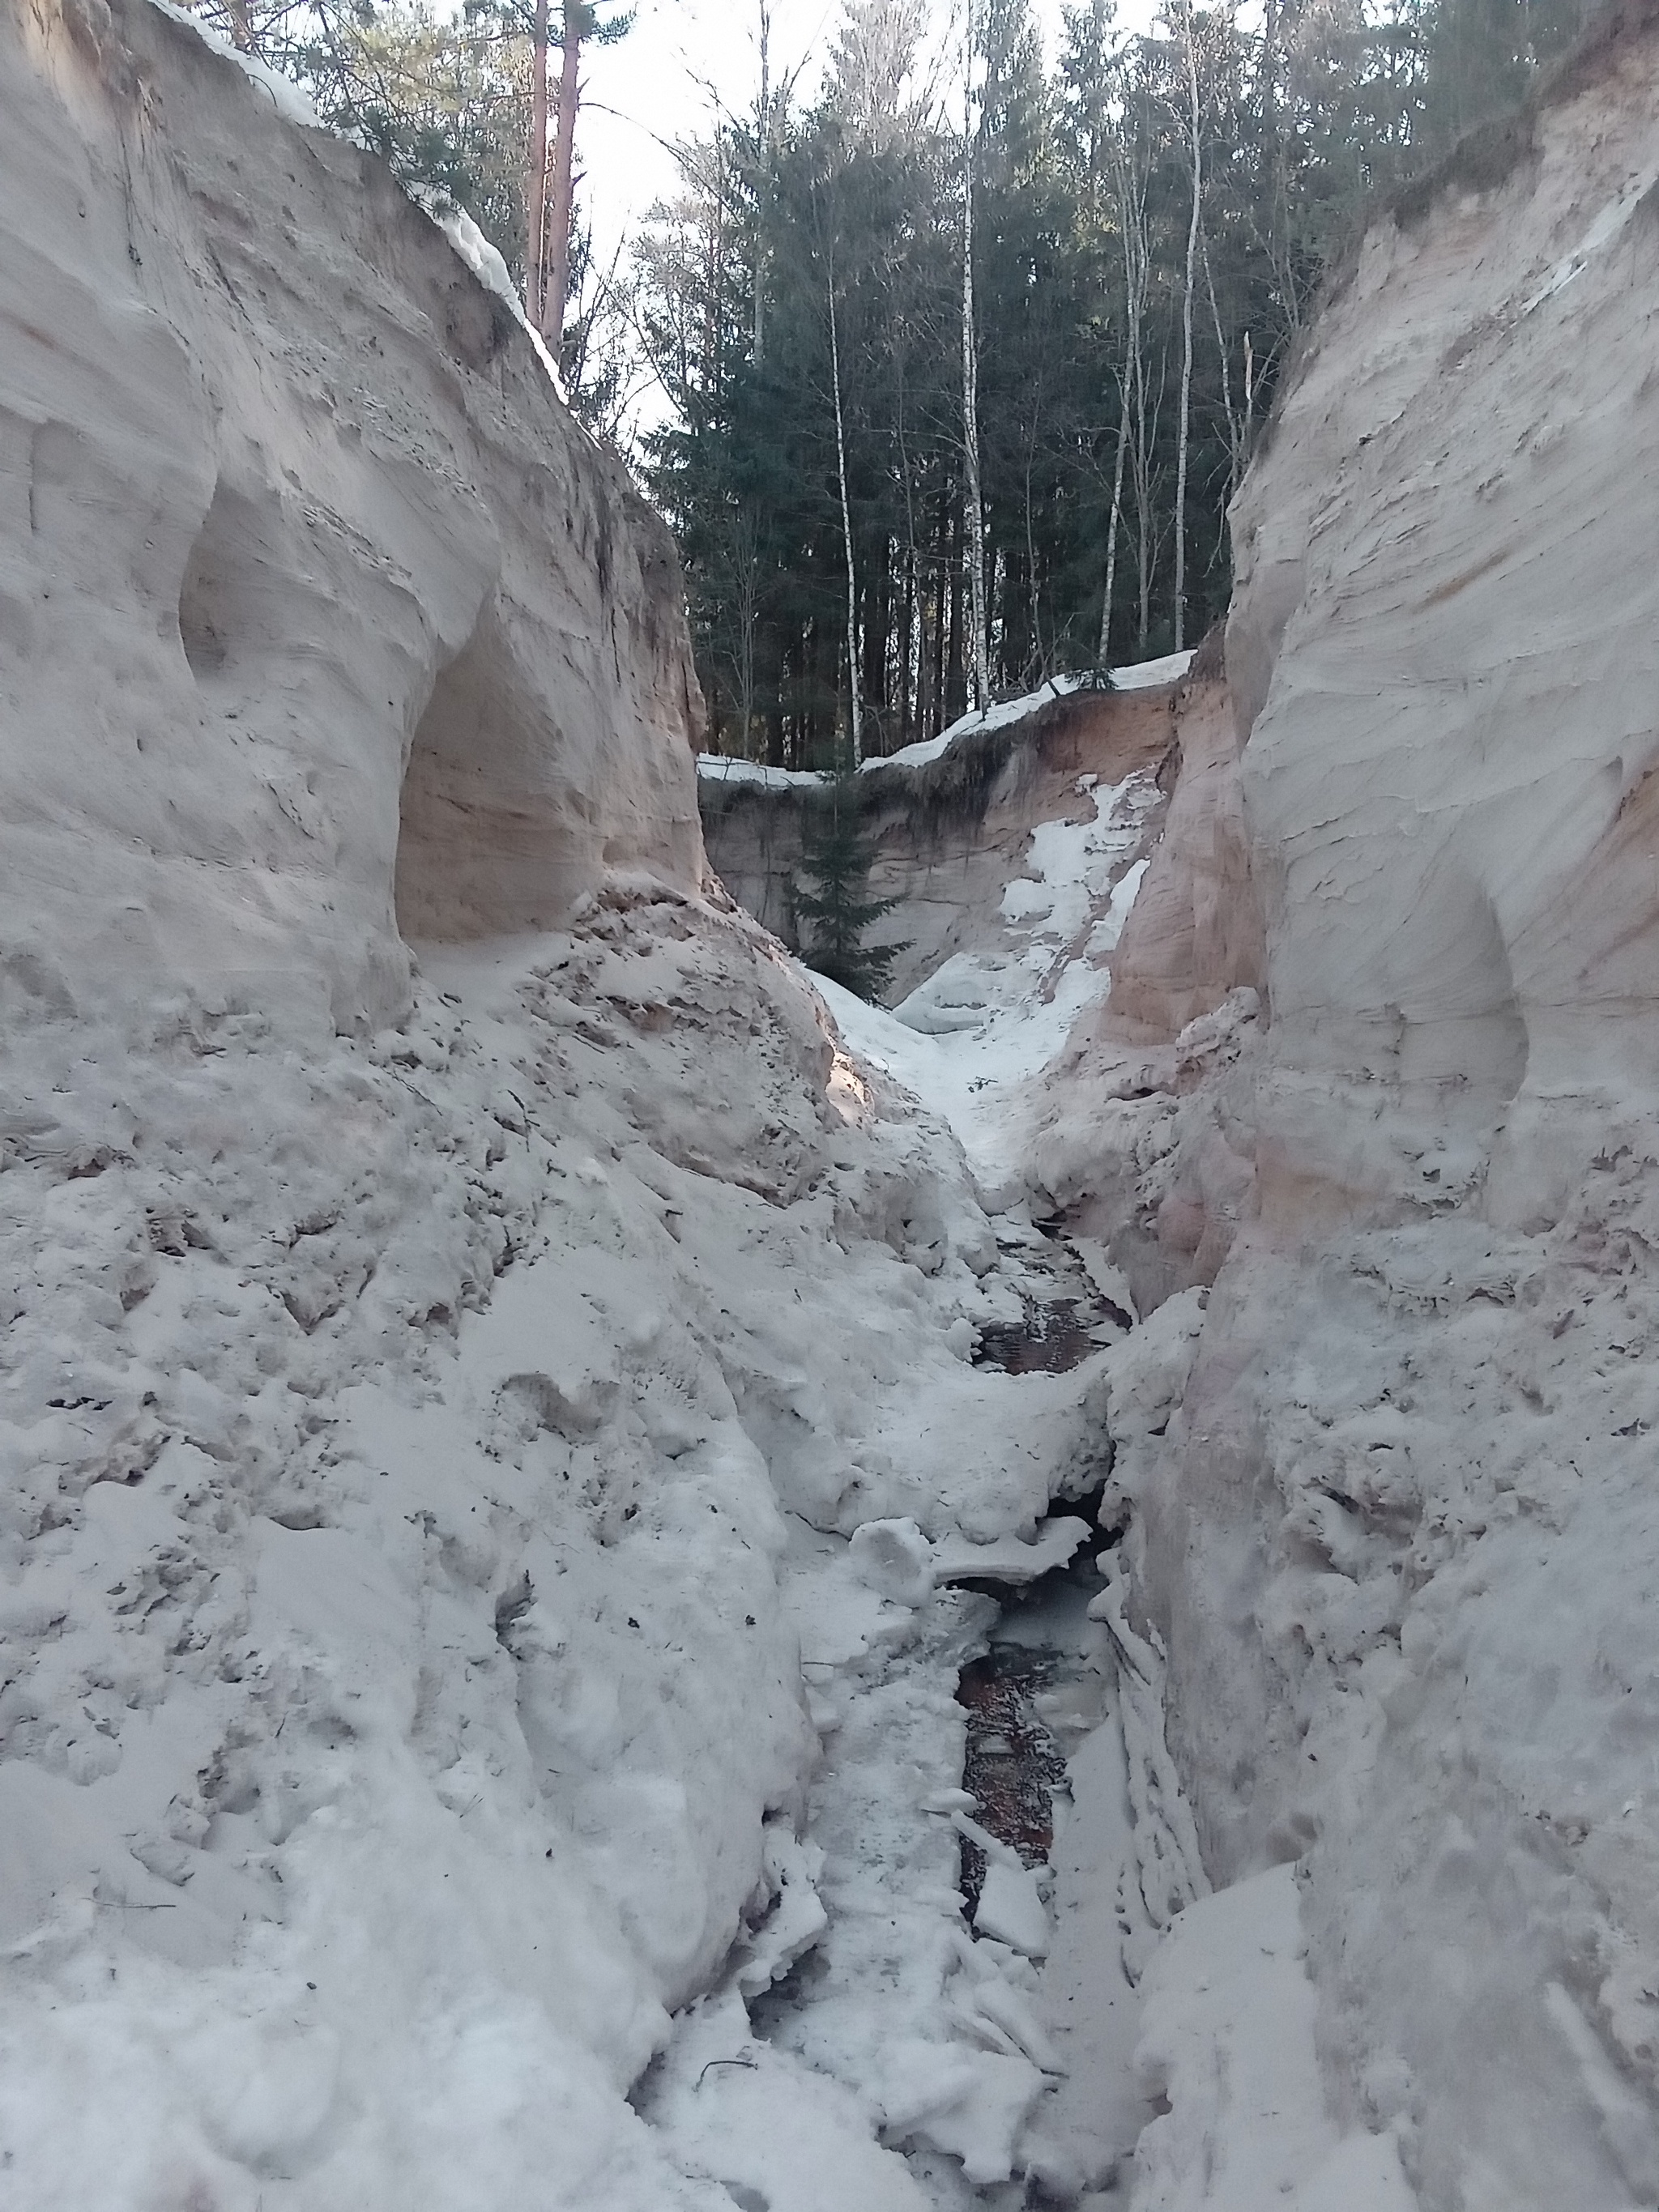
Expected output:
{"points": [[973, 500], [855, 721], [1131, 180], [1195, 157]]}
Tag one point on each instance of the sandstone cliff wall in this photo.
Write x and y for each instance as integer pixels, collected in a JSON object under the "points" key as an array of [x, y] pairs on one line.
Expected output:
{"points": [[1195, 931], [1393, 1482], [951, 833], [325, 601]]}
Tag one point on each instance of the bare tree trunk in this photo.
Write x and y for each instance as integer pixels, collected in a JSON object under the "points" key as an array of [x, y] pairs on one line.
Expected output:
{"points": [[1196, 153], [1132, 229], [1270, 186], [854, 716], [1237, 431], [535, 170], [763, 181], [564, 152], [745, 606], [1101, 656], [1038, 662], [974, 515], [1141, 455], [910, 570]]}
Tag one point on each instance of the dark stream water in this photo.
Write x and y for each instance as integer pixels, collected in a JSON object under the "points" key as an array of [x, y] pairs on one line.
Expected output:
{"points": [[1042, 1652]]}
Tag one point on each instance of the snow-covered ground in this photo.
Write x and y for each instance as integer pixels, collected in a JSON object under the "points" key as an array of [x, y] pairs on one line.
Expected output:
{"points": [[975, 1036], [1138, 675], [1211, 2024], [429, 1606], [443, 1695]]}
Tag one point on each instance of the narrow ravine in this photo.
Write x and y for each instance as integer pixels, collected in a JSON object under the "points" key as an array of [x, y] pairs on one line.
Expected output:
{"points": [[998, 1840], [630, 1586], [972, 1830]]}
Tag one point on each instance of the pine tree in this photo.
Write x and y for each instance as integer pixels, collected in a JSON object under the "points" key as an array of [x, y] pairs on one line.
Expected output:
{"points": [[831, 920]]}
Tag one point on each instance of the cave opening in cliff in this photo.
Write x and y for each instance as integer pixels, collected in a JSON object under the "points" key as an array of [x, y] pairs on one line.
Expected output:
{"points": [[480, 852]]}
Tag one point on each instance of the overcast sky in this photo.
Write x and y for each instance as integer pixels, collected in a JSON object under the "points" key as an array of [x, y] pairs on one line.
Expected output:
{"points": [[650, 87]]}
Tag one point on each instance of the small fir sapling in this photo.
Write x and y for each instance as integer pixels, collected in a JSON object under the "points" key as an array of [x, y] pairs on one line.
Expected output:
{"points": [[829, 894]]}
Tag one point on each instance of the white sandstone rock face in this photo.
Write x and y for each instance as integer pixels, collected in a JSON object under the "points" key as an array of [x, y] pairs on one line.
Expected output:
{"points": [[1195, 931], [1398, 1533], [432, 1404], [1443, 653], [320, 594]]}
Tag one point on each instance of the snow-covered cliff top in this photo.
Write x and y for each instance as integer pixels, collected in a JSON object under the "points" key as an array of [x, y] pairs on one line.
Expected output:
{"points": [[1140, 676]]}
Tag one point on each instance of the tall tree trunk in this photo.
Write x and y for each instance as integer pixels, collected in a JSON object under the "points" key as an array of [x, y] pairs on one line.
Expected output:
{"points": [[763, 181], [974, 516], [1033, 571], [853, 671], [1237, 424], [559, 196], [1269, 183], [1195, 150], [1132, 229], [1104, 649], [1095, 104], [535, 171], [1143, 469], [906, 643], [941, 570], [1136, 434], [956, 688]]}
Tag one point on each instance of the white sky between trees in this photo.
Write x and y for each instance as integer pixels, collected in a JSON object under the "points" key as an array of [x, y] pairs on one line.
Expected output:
{"points": [[654, 85]]}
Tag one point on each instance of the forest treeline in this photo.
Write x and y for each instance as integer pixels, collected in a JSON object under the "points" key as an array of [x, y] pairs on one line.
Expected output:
{"points": [[960, 360]]}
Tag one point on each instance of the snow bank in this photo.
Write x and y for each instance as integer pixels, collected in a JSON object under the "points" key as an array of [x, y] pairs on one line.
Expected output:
{"points": [[974, 1037], [288, 101], [1140, 676], [725, 768], [1228, 2046], [421, 1467]]}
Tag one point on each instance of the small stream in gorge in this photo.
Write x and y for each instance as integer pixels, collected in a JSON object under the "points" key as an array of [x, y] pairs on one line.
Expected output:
{"points": [[1046, 1766], [1033, 1684], [1039, 1689]]}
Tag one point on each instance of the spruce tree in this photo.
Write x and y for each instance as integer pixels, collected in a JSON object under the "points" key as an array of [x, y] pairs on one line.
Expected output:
{"points": [[830, 895]]}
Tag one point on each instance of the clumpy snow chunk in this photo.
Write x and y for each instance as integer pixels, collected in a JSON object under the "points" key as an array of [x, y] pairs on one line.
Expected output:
{"points": [[1011, 1909]]}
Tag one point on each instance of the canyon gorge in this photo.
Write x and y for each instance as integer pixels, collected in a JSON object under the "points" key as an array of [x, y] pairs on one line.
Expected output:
{"points": [[522, 1412]]}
